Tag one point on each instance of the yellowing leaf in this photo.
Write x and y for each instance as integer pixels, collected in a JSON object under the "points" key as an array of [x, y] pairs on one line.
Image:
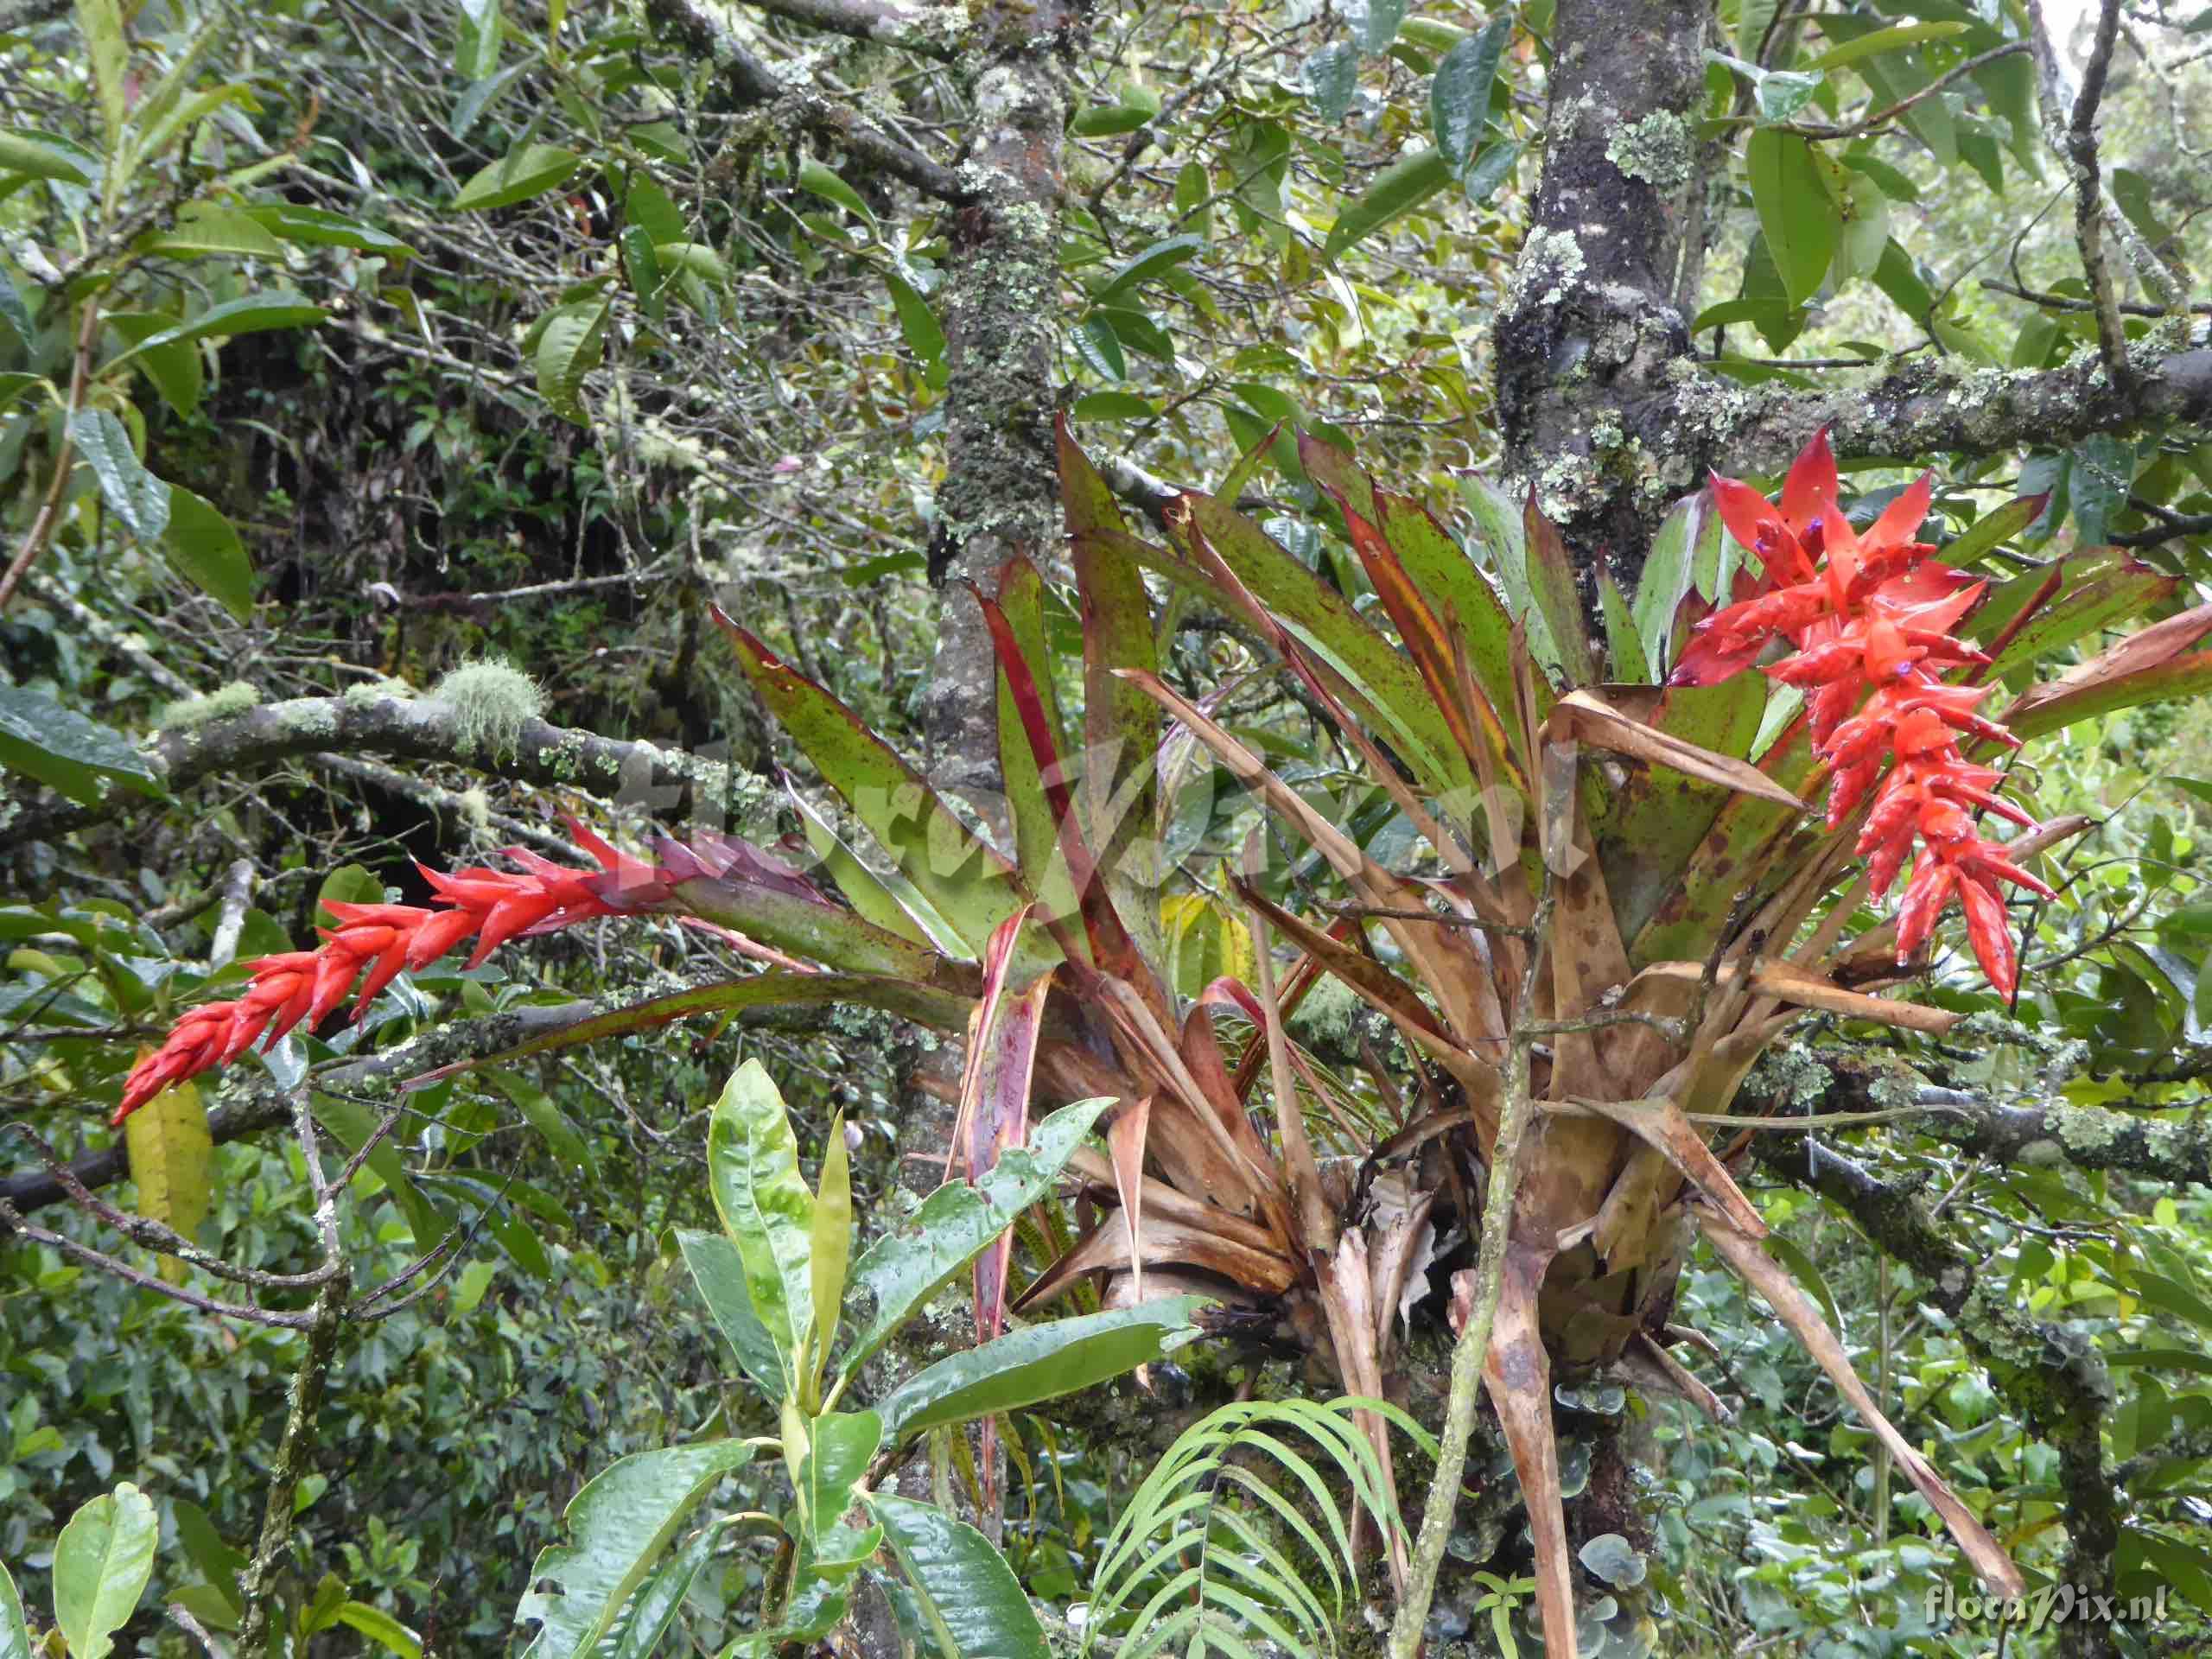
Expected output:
{"points": [[171, 1152]]}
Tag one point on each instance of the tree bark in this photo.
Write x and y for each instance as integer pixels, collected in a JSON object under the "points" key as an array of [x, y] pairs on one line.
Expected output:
{"points": [[1002, 303], [1589, 330]]}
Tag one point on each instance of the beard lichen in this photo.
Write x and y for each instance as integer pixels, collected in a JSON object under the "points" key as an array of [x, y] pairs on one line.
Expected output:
{"points": [[491, 700]]}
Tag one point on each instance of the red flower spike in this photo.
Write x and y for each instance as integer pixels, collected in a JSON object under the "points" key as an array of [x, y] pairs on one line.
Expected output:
{"points": [[378, 940], [1873, 620]]}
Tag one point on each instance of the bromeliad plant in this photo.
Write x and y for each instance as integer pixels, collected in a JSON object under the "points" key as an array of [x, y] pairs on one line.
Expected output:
{"points": [[1622, 895], [779, 1279]]}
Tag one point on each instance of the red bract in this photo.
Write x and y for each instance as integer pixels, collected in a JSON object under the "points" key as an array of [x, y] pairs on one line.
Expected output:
{"points": [[373, 943], [1870, 618]]}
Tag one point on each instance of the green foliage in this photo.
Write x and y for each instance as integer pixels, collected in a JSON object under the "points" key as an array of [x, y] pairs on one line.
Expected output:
{"points": [[1210, 1550]]}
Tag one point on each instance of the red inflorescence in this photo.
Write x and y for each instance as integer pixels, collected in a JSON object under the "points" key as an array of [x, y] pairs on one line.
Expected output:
{"points": [[1867, 614], [373, 943]]}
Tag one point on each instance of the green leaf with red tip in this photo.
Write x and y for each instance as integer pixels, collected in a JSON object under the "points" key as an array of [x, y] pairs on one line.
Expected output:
{"points": [[1551, 582], [1032, 764], [2158, 664], [1386, 689], [966, 882], [1118, 802], [2096, 590]]}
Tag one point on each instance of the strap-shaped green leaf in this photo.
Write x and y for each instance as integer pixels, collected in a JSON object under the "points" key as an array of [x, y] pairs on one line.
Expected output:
{"points": [[621, 1522], [1039, 1362], [719, 1271], [956, 1223], [968, 1594], [15, 1637], [752, 1165], [966, 882], [831, 1253]]}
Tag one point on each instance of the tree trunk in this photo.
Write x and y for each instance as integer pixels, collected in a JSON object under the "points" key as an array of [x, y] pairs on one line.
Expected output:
{"points": [[1590, 342], [1001, 495]]}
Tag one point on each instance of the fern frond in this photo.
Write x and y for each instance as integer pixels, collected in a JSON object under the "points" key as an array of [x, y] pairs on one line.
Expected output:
{"points": [[1211, 1551]]}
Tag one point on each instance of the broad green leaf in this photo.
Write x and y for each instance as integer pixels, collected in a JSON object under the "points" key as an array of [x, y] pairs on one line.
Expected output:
{"points": [[173, 369], [1104, 120], [924, 334], [1897, 276], [171, 1155], [150, 116], [481, 95], [100, 22], [838, 1447], [662, 1596], [17, 316], [698, 258], [813, 176], [1459, 95], [1100, 347], [158, 134], [1883, 40], [1094, 406], [974, 1606], [205, 549], [964, 880], [1491, 169], [1140, 267], [380, 1628], [1332, 77], [831, 1250], [60, 747], [476, 55], [470, 1285], [530, 170], [1800, 222], [255, 313], [132, 493], [317, 228], [1039, 1362], [568, 348], [101, 1563], [1116, 799], [15, 1636], [621, 1522], [1397, 190], [1380, 26], [42, 155], [956, 1223], [1894, 75], [648, 204], [204, 227], [719, 1271], [544, 1115], [752, 1165]]}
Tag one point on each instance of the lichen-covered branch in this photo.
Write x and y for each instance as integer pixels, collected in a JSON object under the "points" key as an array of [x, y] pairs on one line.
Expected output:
{"points": [[2158, 1149], [1927, 406], [532, 751], [746, 82], [930, 31], [2054, 1377]]}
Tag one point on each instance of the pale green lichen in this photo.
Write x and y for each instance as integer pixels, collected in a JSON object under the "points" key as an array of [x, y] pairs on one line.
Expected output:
{"points": [[491, 700], [311, 716], [222, 701], [1656, 150], [363, 691], [476, 808], [1326, 1014], [1547, 254]]}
